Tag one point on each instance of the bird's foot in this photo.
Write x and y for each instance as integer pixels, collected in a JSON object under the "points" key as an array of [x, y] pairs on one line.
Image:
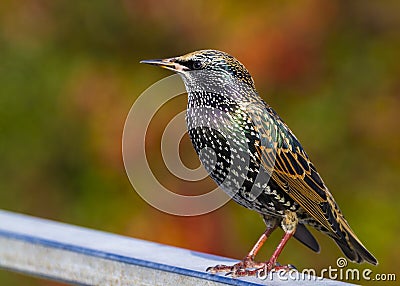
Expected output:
{"points": [[249, 267], [247, 263]]}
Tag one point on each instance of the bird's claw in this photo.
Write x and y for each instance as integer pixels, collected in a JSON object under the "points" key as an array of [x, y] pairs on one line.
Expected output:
{"points": [[246, 263], [250, 268], [244, 273], [220, 268]]}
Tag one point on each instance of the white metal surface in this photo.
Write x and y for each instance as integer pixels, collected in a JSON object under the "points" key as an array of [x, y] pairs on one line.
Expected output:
{"points": [[88, 257]]}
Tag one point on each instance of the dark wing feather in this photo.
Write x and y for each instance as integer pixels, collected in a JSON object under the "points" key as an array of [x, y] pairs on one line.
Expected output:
{"points": [[303, 235], [288, 164]]}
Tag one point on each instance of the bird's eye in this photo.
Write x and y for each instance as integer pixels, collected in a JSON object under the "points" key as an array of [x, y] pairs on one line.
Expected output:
{"points": [[196, 65]]}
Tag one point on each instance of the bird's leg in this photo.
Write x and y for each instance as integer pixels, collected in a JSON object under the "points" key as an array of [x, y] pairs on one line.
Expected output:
{"points": [[248, 261], [289, 224]]}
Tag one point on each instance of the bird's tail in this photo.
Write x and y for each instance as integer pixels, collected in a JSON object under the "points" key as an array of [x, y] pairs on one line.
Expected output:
{"points": [[352, 246]]}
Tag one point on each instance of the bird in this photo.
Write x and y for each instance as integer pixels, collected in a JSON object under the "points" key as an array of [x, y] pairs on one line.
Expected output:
{"points": [[253, 156]]}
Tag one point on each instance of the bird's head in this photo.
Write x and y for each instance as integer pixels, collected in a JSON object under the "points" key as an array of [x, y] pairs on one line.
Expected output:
{"points": [[206, 66]]}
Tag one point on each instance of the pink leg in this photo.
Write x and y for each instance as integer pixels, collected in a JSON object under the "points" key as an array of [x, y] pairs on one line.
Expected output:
{"points": [[248, 261], [271, 263], [248, 267]]}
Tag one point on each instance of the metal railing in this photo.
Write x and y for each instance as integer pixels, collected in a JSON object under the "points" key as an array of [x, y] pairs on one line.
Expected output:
{"points": [[78, 255]]}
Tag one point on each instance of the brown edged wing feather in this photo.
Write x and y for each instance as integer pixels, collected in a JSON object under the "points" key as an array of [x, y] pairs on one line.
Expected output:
{"points": [[289, 166], [283, 157]]}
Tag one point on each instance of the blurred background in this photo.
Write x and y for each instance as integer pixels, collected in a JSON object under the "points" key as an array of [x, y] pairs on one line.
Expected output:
{"points": [[69, 73]]}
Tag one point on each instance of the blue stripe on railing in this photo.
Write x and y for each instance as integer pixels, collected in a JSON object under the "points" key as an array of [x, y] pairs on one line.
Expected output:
{"points": [[56, 235]]}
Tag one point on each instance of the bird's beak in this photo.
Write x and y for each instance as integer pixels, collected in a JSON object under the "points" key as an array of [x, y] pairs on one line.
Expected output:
{"points": [[169, 64]]}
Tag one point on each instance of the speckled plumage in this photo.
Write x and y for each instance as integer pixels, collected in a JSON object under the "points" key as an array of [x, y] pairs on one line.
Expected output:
{"points": [[253, 155]]}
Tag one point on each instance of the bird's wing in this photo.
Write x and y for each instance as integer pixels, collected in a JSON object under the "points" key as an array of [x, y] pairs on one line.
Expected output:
{"points": [[283, 157]]}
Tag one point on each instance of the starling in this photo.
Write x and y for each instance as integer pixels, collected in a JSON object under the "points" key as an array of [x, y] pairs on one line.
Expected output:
{"points": [[255, 158]]}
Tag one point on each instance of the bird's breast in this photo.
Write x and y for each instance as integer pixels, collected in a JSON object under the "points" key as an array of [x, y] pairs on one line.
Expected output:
{"points": [[226, 140]]}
